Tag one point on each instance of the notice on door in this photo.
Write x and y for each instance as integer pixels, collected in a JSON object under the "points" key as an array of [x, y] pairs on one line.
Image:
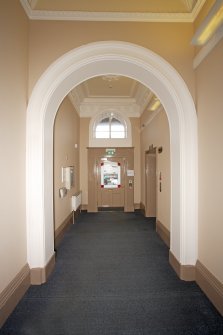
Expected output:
{"points": [[110, 175]]}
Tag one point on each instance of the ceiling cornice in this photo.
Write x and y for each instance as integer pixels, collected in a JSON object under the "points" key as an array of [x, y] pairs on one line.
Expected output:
{"points": [[75, 100], [143, 97], [92, 106], [111, 16], [206, 49], [32, 3], [151, 116], [83, 102]]}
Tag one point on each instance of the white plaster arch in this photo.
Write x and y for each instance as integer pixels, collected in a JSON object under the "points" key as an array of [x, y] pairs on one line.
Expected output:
{"points": [[74, 67]]}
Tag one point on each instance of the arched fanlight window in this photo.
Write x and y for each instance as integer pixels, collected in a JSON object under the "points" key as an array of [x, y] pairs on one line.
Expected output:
{"points": [[110, 126]]}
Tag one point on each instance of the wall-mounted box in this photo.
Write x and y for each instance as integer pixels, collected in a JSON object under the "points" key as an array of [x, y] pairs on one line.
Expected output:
{"points": [[62, 192], [68, 176]]}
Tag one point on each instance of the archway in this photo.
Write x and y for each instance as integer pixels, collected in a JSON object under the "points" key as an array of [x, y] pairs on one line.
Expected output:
{"points": [[71, 69]]}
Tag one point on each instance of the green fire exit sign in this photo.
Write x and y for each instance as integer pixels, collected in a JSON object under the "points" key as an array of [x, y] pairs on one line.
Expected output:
{"points": [[110, 152]]}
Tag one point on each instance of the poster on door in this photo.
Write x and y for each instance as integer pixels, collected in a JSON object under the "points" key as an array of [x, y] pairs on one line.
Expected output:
{"points": [[110, 175]]}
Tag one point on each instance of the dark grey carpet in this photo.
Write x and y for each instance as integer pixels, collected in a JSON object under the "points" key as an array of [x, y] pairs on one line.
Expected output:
{"points": [[112, 277]]}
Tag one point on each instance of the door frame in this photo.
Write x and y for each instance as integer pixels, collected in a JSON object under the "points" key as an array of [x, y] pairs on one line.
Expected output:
{"points": [[96, 153], [100, 190], [151, 151]]}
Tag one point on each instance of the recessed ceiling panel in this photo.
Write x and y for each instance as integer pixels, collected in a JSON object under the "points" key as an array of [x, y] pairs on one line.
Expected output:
{"points": [[109, 86], [140, 6]]}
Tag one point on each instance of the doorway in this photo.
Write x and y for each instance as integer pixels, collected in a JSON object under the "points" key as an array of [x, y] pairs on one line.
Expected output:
{"points": [[111, 183], [110, 179], [151, 183], [68, 71]]}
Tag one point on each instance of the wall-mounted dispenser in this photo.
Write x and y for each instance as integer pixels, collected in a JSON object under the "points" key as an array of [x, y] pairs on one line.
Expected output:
{"points": [[68, 176], [62, 192]]}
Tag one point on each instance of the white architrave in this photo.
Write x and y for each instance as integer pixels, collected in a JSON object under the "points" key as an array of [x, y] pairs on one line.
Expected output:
{"points": [[78, 65]]}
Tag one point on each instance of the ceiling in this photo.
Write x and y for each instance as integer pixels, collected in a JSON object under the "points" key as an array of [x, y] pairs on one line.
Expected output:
{"points": [[113, 90], [189, 8], [161, 6], [115, 10]]}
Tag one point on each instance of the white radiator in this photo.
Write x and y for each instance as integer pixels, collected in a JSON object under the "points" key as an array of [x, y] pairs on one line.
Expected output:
{"points": [[76, 201]]}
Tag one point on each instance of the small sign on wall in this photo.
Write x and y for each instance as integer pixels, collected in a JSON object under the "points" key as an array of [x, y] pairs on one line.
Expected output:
{"points": [[110, 152], [130, 173]]}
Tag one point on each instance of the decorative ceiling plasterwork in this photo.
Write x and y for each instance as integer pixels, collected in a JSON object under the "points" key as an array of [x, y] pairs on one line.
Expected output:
{"points": [[32, 3], [190, 4], [140, 97], [92, 107], [114, 16], [206, 49], [133, 106]]}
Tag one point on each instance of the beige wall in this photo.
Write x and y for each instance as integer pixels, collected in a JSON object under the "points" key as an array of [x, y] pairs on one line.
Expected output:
{"points": [[13, 97], [50, 40], [66, 135], [84, 143], [135, 122], [156, 133], [210, 136]]}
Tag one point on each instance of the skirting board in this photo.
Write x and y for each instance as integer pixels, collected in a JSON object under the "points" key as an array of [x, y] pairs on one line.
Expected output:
{"points": [[163, 232], [39, 276], [210, 285], [59, 233], [13, 293], [184, 272], [84, 207], [142, 207]]}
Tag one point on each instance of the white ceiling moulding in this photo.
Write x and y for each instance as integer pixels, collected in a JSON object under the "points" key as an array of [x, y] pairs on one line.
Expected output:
{"points": [[126, 106], [189, 4], [143, 97], [210, 25], [74, 99], [197, 9], [209, 33], [204, 52], [111, 16], [84, 102], [152, 115], [33, 3]]}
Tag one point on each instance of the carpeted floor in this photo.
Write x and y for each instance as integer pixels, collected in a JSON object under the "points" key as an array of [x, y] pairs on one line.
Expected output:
{"points": [[112, 277]]}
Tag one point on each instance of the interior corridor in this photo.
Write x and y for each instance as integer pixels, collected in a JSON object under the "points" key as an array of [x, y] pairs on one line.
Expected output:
{"points": [[112, 276]]}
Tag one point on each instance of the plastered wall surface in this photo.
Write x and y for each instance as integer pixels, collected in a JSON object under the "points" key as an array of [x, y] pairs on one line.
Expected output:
{"points": [[66, 136], [50, 40], [135, 122], [13, 98], [84, 143], [210, 136], [156, 133]]}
